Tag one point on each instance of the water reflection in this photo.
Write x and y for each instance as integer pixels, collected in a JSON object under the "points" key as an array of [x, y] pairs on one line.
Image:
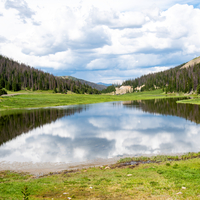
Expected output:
{"points": [[107, 130], [14, 123]]}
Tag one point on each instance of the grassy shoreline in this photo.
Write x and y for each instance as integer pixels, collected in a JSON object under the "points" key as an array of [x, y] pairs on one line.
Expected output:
{"points": [[159, 180], [48, 99], [195, 101]]}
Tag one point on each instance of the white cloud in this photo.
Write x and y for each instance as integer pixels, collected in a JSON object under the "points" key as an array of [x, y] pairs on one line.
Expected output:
{"points": [[94, 37], [98, 64], [116, 20], [23, 10]]}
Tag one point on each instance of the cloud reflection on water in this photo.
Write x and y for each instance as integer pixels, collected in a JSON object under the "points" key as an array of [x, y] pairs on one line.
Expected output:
{"points": [[103, 131]]}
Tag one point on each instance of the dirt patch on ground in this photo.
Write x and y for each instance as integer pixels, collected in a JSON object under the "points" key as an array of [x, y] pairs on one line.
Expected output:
{"points": [[40, 169], [10, 95]]}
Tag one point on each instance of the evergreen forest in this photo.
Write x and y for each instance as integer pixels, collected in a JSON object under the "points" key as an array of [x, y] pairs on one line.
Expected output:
{"points": [[109, 89], [173, 80], [15, 76]]}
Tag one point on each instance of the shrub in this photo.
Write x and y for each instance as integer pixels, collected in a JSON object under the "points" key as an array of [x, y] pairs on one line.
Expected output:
{"points": [[2, 91]]}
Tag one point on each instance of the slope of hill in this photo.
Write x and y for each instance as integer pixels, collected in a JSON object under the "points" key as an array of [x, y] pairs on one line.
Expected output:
{"points": [[177, 79], [16, 76], [93, 85], [192, 63]]}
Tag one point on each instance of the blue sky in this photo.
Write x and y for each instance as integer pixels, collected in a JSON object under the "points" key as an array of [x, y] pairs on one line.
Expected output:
{"points": [[101, 41]]}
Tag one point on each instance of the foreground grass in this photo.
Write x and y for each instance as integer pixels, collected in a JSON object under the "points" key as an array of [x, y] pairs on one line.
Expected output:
{"points": [[46, 99], [166, 180]]}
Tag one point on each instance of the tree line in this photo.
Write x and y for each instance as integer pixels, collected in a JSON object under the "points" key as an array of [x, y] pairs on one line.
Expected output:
{"points": [[109, 89], [18, 76], [172, 80]]}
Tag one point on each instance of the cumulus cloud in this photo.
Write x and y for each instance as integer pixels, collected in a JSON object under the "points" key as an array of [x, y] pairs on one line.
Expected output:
{"points": [[96, 41], [63, 33], [2, 39], [24, 12], [116, 20]]}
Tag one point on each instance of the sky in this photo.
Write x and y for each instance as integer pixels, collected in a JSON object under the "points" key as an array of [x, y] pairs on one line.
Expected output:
{"points": [[100, 40]]}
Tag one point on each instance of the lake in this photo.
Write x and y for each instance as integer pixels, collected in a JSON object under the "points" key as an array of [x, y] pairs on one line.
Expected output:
{"points": [[106, 130]]}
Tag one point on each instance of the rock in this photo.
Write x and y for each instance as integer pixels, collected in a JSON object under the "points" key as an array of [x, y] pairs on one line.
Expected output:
{"points": [[65, 193], [179, 193], [107, 167], [184, 188], [69, 198], [130, 175], [90, 187]]}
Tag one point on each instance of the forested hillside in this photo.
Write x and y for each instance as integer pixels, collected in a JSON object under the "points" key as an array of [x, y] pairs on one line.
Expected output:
{"points": [[109, 89], [172, 80], [15, 76], [93, 85]]}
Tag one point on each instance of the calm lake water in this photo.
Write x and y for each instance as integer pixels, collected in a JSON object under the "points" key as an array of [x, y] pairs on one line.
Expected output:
{"points": [[105, 130]]}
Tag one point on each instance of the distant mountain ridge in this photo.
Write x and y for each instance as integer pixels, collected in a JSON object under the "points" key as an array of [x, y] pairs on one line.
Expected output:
{"points": [[106, 84], [91, 84]]}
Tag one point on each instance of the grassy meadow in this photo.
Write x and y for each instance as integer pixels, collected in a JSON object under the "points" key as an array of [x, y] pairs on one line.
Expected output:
{"points": [[48, 98], [161, 180]]}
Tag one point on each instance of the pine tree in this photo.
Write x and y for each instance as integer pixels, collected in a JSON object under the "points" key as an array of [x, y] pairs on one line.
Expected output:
{"points": [[198, 89]]}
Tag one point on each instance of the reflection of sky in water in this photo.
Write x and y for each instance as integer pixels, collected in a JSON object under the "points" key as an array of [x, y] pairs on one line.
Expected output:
{"points": [[103, 131]]}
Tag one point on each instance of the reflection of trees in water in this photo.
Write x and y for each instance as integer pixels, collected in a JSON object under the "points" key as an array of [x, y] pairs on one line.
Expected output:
{"points": [[168, 107], [12, 125]]}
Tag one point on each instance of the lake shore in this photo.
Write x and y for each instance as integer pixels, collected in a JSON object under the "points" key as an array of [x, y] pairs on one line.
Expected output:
{"points": [[49, 99], [155, 180], [43, 168]]}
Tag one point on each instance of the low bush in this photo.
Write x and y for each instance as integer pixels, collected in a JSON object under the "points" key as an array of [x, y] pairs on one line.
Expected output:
{"points": [[2, 91]]}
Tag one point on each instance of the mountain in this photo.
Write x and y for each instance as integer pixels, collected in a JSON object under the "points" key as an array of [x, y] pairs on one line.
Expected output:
{"points": [[183, 78], [106, 84], [91, 84], [17, 76]]}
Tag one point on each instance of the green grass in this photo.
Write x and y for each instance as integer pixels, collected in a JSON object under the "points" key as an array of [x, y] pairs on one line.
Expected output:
{"points": [[147, 181], [195, 100], [47, 99], [160, 158]]}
